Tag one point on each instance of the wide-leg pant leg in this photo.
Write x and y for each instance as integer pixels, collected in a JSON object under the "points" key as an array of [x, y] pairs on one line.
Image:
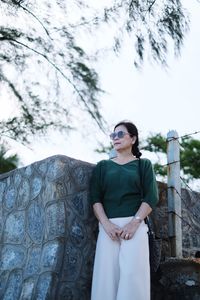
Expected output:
{"points": [[134, 283], [106, 268]]}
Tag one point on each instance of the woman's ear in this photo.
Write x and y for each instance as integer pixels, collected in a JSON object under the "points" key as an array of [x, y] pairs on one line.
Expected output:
{"points": [[134, 138]]}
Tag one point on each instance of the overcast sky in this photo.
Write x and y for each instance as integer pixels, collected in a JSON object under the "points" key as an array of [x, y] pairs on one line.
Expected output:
{"points": [[156, 100]]}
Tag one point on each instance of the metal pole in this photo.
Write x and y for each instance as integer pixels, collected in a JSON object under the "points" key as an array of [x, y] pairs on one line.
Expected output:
{"points": [[174, 192]]}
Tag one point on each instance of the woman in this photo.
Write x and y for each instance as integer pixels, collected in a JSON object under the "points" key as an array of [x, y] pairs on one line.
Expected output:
{"points": [[121, 267]]}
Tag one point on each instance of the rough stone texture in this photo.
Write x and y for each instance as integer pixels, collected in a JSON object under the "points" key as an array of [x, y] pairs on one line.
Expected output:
{"points": [[190, 222], [177, 279], [12, 257], [48, 234], [47, 231], [13, 287]]}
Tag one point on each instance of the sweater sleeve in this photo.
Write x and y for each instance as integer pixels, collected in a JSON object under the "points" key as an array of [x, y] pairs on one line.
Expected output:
{"points": [[95, 189], [150, 189]]}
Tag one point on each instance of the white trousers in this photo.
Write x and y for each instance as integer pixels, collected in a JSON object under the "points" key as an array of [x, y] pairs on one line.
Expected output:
{"points": [[121, 268]]}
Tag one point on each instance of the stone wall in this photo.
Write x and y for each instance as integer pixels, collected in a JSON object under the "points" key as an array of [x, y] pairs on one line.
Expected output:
{"points": [[190, 221], [177, 279], [48, 231]]}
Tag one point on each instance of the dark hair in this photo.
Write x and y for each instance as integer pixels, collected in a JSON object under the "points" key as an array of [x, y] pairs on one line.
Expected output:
{"points": [[132, 130]]}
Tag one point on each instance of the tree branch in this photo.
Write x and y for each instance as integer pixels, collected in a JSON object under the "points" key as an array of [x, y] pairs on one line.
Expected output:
{"points": [[151, 5], [96, 118], [28, 11]]}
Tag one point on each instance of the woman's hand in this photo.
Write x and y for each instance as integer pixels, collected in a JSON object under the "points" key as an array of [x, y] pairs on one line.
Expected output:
{"points": [[112, 230], [129, 229]]}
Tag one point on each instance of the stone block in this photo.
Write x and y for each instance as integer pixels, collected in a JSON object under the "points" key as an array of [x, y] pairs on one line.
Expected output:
{"points": [[48, 191], [1, 222], [36, 222], [52, 256], [45, 288], [2, 189], [10, 198], [80, 177], [3, 282], [42, 167], [12, 257], [36, 185], [17, 178], [56, 169], [55, 219], [15, 227], [33, 261], [27, 289], [23, 194], [73, 261], [77, 232], [14, 285], [79, 204], [28, 171], [54, 190]]}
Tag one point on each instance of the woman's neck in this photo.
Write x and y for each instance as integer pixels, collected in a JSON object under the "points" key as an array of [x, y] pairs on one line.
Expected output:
{"points": [[124, 156]]}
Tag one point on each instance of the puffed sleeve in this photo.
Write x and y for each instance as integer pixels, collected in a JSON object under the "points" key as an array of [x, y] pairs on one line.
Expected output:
{"points": [[95, 189], [149, 184]]}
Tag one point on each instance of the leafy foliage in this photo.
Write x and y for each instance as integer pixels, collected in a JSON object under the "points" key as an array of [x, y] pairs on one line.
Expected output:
{"points": [[47, 74], [189, 155], [155, 143], [7, 163], [152, 24], [43, 69]]}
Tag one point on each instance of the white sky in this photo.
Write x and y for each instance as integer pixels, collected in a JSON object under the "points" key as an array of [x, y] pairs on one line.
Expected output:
{"points": [[155, 100]]}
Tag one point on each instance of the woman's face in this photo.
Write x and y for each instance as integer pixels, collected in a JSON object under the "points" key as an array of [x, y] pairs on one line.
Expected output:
{"points": [[122, 139]]}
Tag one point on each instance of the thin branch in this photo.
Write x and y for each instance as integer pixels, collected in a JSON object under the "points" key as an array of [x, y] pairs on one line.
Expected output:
{"points": [[17, 94], [28, 11], [21, 142], [98, 18], [151, 5], [11, 85], [61, 72]]}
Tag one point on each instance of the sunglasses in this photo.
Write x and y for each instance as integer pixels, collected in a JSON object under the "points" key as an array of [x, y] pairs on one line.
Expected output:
{"points": [[120, 134]]}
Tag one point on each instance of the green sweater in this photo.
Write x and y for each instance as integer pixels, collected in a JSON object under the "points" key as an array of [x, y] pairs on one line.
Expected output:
{"points": [[117, 187]]}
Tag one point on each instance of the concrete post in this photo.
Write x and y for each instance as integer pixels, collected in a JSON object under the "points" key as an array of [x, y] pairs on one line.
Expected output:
{"points": [[174, 192]]}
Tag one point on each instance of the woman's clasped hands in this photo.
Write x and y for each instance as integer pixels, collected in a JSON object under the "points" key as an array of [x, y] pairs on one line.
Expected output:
{"points": [[126, 232]]}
